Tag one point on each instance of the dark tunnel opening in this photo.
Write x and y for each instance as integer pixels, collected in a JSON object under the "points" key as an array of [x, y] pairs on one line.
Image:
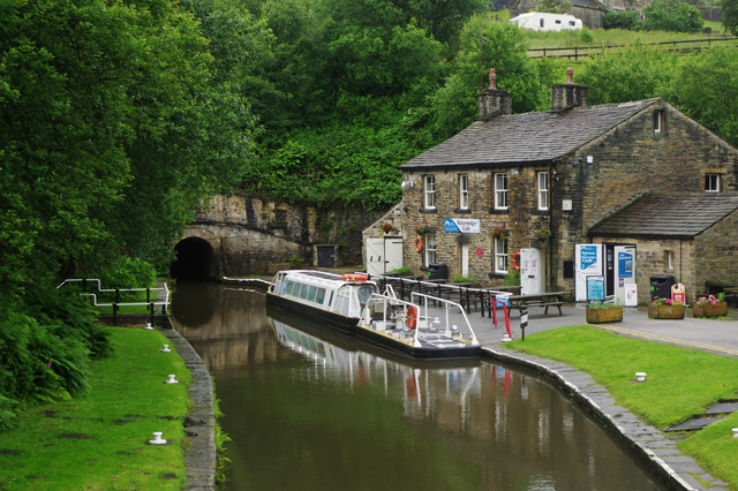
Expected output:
{"points": [[195, 261]]}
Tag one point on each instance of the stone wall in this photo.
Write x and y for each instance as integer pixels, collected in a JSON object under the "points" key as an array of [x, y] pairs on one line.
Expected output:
{"points": [[651, 260], [717, 253], [251, 234]]}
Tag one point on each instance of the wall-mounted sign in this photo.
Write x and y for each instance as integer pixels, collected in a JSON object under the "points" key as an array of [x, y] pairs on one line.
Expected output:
{"points": [[461, 225], [479, 252], [587, 256]]}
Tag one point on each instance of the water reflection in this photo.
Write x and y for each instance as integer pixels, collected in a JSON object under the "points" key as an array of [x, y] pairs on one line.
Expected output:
{"points": [[307, 410]]}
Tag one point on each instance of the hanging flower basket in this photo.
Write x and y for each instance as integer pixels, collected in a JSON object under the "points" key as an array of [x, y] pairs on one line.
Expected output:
{"points": [[500, 232], [420, 229], [543, 234]]}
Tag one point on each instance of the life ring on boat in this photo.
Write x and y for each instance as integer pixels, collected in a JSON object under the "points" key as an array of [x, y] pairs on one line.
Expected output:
{"points": [[354, 277], [515, 259], [418, 244], [412, 317]]}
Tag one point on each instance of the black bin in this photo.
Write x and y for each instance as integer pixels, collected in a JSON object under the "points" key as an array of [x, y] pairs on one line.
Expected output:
{"points": [[661, 285], [437, 272]]}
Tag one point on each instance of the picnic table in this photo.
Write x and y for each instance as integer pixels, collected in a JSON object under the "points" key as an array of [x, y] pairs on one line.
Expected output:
{"points": [[545, 300]]}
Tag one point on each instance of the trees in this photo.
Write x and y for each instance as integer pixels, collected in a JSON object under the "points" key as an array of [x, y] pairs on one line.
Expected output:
{"points": [[730, 15], [673, 15]]}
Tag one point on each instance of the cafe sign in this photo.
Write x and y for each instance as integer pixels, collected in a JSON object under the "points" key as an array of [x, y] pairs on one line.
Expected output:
{"points": [[462, 225]]}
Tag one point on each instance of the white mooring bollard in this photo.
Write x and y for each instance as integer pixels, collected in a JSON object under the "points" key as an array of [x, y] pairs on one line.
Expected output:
{"points": [[166, 349], [149, 327], [640, 376], [735, 432], [158, 440], [171, 379]]}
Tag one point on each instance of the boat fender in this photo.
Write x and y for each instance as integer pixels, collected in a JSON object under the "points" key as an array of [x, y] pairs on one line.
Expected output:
{"points": [[412, 317], [354, 277], [516, 260], [418, 244]]}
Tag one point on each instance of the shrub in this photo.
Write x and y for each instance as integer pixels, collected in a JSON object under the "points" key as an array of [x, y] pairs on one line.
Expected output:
{"points": [[125, 272], [673, 15], [512, 278], [621, 20]]}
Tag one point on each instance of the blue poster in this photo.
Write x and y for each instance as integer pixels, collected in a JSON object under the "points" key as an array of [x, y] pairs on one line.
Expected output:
{"points": [[595, 288], [625, 265], [450, 226], [587, 256]]}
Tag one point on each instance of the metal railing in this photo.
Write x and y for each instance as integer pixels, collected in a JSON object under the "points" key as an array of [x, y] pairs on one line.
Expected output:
{"points": [[447, 306], [117, 303]]}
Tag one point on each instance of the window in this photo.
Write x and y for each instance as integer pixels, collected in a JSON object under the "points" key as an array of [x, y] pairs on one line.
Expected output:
{"points": [[501, 191], [542, 187], [558, 21], [669, 260], [429, 193], [430, 249], [541, 21], [464, 191], [712, 183], [658, 122], [500, 255]]}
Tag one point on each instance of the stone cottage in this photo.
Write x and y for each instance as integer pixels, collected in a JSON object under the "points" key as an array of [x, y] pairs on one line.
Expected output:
{"points": [[543, 179]]}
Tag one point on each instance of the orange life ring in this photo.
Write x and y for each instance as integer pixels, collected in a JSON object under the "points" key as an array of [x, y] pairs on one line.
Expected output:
{"points": [[354, 277], [515, 259], [412, 317], [418, 244]]}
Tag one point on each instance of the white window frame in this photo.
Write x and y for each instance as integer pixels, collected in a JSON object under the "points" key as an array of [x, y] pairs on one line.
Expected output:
{"points": [[429, 192], [712, 183], [501, 191], [542, 190], [669, 260], [501, 256], [658, 122], [464, 191], [430, 248]]}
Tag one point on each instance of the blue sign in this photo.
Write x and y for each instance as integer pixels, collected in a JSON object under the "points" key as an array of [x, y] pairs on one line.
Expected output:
{"points": [[595, 288], [625, 265], [461, 225], [587, 256], [449, 226]]}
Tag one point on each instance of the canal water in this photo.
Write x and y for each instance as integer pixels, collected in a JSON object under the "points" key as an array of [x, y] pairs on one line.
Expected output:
{"points": [[307, 411]]}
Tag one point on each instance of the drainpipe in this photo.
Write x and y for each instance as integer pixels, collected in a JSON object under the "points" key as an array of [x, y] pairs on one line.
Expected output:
{"points": [[550, 225]]}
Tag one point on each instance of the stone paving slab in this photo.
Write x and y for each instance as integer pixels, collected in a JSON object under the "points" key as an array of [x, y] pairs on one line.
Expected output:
{"points": [[647, 443]]}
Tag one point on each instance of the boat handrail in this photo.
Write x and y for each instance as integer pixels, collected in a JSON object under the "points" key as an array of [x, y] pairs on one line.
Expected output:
{"points": [[397, 301], [447, 304]]}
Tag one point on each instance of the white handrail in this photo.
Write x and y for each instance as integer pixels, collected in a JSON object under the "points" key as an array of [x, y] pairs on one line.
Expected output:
{"points": [[165, 289], [446, 307]]}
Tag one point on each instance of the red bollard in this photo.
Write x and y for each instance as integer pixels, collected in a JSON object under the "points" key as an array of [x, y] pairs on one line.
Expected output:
{"points": [[507, 321], [493, 299]]}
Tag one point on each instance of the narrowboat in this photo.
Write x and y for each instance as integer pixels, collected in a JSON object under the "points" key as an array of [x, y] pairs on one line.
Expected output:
{"points": [[336, 300], [427, 328]]}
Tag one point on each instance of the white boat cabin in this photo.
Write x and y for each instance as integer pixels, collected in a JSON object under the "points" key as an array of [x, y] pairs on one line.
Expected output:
{"points": [[341, 294]]}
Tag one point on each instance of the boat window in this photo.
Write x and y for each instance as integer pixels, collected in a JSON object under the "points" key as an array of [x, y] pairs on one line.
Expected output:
{"points": [[364, 292], [330, 299], [311, 293], [289, 288], [320, 295]]}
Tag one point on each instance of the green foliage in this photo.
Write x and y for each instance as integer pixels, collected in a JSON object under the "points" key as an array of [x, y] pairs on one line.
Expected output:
{"points": [[673, 15], [553, 7], [600, 305], [125, 272], [464, 279], [634, 73], [621, 20], [730, 15], [512, 278], [402, 270], [704, 86]]}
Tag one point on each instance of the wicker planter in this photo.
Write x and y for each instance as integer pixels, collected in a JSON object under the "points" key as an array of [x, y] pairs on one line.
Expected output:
{"points": [[708, 310], [601, 316], [665, 311]]}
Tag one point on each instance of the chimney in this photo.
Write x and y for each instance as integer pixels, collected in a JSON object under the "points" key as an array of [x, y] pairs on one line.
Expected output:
{"points": [[568, 95], [493, 101]]}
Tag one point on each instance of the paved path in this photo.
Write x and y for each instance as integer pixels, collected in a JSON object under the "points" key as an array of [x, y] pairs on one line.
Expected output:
{"points": [[656, 449]]}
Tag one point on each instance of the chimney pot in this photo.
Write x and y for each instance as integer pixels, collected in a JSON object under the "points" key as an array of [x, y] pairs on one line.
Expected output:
{"points": [[493, 101], [568, 95]]}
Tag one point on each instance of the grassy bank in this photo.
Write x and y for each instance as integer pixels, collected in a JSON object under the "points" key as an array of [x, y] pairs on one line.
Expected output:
{"points": [[681, 383], [98, 441]]}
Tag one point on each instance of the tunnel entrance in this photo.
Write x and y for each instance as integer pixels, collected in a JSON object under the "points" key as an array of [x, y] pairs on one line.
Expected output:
{"points": [[195, 261]]}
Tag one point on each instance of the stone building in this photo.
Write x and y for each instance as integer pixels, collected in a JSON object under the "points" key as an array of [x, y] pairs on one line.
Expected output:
{"points": [[590, 12], [557, 172]]}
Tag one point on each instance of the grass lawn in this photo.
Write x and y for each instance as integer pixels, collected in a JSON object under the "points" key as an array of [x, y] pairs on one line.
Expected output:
{"points": [[681, 383], [97, 441]]}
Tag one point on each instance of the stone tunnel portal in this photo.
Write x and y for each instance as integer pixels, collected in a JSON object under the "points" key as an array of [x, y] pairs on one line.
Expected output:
{"points": [[195, 261]]}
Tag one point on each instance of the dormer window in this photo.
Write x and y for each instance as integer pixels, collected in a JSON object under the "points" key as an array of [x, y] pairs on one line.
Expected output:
{"points": [[712, 183], [659, 122]]}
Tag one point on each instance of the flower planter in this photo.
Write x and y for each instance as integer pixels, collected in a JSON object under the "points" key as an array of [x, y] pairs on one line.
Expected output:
{"points": [[709, 310], [665, 311], [601, 316]]}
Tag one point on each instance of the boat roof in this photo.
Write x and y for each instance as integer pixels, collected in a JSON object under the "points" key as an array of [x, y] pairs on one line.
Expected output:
{"points": [[324, 275]]}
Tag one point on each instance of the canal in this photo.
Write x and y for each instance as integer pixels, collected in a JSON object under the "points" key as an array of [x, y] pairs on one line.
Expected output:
{"points": [[309, 411]]}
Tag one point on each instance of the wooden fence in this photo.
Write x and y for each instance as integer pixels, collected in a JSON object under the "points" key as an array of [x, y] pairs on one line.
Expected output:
{"points": [[679, 46]]}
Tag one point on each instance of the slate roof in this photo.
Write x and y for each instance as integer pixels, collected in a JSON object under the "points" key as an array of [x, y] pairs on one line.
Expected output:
{"points": [[658, 215], [528, 137]]}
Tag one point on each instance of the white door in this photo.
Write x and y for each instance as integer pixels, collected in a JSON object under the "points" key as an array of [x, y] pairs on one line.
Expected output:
{"points": [[383, 255], [625, 270], [465, 260], [531, 272], [587, 261]]}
